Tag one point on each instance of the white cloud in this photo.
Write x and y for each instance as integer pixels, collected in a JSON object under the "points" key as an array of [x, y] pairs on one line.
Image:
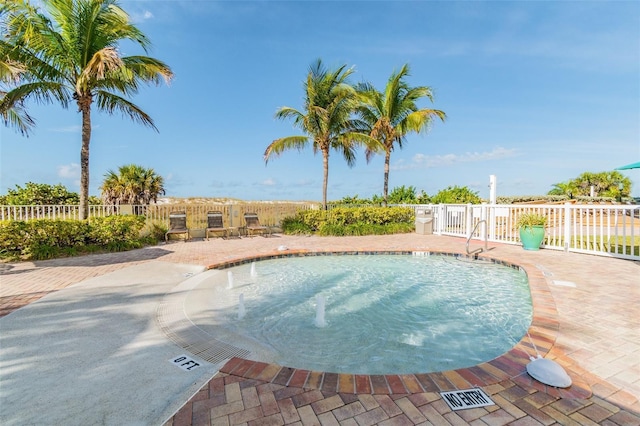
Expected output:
{"points": [[268, 182], [422, 161], [140, 16], [69, 171], [67, 129]]}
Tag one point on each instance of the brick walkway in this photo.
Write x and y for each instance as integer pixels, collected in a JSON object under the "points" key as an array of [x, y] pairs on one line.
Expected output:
{"points": [[594, 330]]}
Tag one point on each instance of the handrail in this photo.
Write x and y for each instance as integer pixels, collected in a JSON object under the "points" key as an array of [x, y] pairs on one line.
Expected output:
{"points": [[480, 250]]}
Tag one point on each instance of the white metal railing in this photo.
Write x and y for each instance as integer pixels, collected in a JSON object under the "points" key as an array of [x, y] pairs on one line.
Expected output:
{"points": [[608, 230]]}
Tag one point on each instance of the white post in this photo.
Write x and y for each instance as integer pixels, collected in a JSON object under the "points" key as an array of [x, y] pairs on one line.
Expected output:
{"points": [[483, 225], [567, 226], [493, 199], [469, 220], [492, 189], [438, 213]]}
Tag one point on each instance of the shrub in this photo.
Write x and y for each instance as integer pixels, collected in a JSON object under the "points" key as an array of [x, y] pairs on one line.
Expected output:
{"points": [[359, 229], [154, 231], [109, 229], [46, 238], [456, 195], [529, 198], [117, 233], [556, 199], [351, 221], [407, 195], [13, 238], [295, 226], [39, 194], [354, 201]]}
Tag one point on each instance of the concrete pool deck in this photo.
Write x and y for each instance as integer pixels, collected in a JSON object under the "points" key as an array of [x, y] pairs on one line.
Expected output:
{"points": [[106, 315]]}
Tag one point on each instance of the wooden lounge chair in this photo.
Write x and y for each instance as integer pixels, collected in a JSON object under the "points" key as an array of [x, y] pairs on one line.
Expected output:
{"points": [[253, 226], [215, 225], [177, 225]]}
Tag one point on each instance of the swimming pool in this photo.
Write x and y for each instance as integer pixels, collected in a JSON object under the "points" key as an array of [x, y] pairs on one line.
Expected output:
{"points": [[383, 313]]}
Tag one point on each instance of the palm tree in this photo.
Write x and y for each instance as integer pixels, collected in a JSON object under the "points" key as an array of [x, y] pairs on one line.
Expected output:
{"points": [[326, 119], [605, 184], [71, 55], [391, 115], [132, 184], [564, 188]]}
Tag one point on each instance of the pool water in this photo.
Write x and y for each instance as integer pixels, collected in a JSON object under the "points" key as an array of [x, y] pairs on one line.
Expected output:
{"points": [[384, 314]]}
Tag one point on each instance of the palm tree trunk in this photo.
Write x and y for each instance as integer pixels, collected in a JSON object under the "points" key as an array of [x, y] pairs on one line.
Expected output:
{"points": [[325, 165], [385, 189], [85, 107]]}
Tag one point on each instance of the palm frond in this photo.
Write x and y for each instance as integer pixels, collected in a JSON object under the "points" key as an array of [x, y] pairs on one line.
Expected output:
{"points": [[343, 144], [278, 146], [111, 103], [10, 70], [148, 69], [103, 61], [288, 112], [421, 120], [18, 118], [41, 92]]}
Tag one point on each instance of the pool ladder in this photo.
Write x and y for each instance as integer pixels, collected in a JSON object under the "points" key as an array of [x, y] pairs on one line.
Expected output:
{"points": [[478, 250]]}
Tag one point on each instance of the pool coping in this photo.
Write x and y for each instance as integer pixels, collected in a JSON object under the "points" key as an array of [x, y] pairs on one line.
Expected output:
{"points": [[542, 333]]}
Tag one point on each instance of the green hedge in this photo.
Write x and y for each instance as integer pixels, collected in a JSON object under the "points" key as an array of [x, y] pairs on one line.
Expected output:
{"points": [[46, 238], [351, 221]]}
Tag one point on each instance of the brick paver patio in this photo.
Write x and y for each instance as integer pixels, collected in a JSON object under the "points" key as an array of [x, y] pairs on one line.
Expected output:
{"points": [[591, 323]]}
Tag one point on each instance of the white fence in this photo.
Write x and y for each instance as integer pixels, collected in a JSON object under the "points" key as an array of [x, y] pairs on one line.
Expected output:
{"points": [[270, 213], [608, 230]]}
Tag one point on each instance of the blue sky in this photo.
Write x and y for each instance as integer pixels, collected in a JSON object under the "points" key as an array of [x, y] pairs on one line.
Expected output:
{"points": [[535, 93]]}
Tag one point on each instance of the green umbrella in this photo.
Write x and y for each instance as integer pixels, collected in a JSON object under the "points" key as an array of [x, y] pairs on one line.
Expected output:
{"points": [[629, 166]]}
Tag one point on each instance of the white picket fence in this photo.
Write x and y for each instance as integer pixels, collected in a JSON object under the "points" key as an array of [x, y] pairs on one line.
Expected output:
{"points": [[608, 230]]}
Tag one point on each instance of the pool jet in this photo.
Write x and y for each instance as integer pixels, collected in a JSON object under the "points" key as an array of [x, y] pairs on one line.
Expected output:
{"points": [[229, 279], [320, 321], [547, 371], [241, 310]]}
